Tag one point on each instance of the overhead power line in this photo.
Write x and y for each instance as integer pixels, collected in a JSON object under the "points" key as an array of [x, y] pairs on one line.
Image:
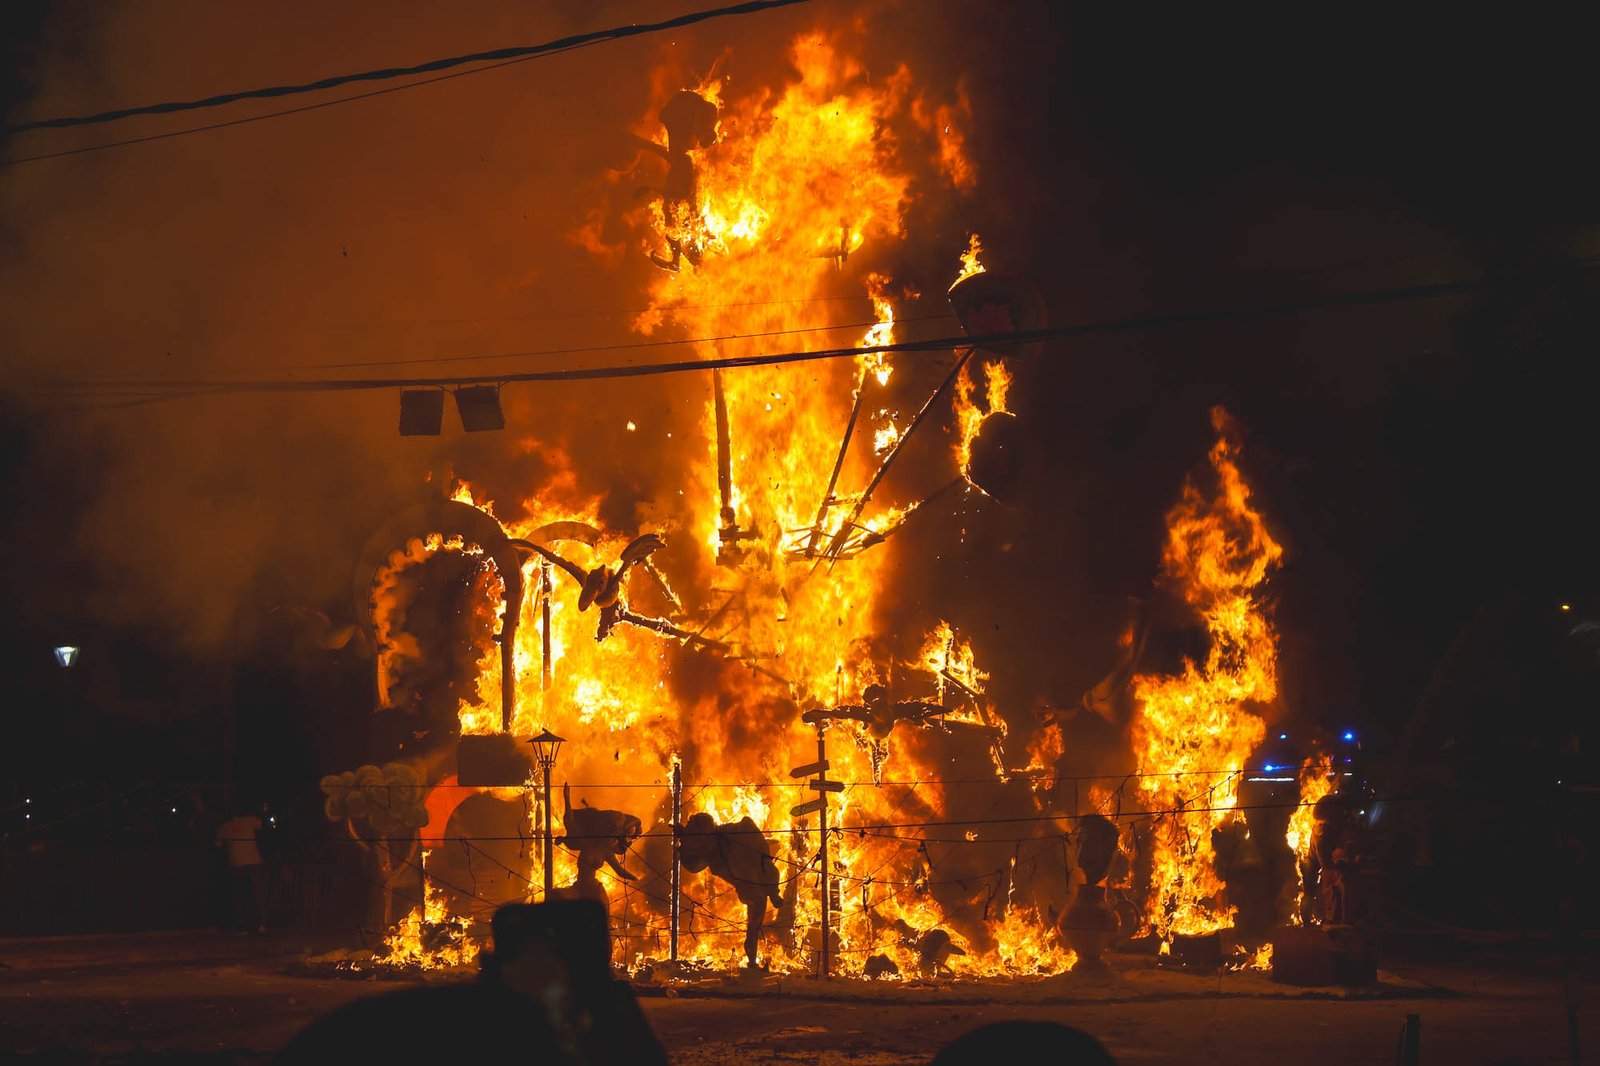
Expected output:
{"points": [[253, 118], [156, 389], [627, 346], [492, 60], [385, 73]]}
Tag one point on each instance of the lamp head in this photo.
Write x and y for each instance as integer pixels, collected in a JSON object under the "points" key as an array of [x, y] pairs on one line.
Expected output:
{"points": [[546, 746]]}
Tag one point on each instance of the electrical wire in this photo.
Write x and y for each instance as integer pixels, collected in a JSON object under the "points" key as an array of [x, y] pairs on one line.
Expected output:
{"points": [[700, 787], [731, 927], [492, 59], [1003, 341], [246, 121], [963, 823], [628, 346]]}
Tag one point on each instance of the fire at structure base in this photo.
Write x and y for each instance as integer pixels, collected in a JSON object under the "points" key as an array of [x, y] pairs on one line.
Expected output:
{"points": [[718, 722]]}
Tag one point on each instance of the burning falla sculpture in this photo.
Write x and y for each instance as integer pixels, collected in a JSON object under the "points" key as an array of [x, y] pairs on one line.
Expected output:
{"points": [[1089, 925], [933, 947], [690, 121], [877, 713], [602, 586], [739, 854], [382, 808], [600, 838]]}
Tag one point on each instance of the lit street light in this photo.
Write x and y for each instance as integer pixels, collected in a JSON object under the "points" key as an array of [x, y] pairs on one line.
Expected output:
{"points": [[67, 656], [546, 746]]}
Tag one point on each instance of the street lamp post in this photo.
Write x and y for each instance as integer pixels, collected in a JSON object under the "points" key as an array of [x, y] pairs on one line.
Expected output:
{"points": [[545, 748], [66, 656]]}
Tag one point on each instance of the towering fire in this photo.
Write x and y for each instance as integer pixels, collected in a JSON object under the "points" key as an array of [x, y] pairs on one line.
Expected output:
{"points": [[1192, 733], [751, 639], [773, 644]]}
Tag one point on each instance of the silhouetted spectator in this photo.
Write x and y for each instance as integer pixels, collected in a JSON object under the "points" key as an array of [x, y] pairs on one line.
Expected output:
{"points": [[247, 873], [558, 954], [1024, 1041], [546, 990]]}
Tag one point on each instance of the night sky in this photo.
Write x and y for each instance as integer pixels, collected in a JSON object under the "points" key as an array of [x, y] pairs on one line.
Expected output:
{"points": [[1424, 462]]}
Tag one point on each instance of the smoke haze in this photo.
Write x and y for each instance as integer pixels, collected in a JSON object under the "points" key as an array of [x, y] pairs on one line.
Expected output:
{"points": [[471, 218]]}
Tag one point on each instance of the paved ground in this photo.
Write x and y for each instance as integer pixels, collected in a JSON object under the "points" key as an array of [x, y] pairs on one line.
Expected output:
{"points": [[210, 996]]}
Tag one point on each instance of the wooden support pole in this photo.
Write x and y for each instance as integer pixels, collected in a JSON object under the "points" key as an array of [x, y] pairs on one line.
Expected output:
{"points": [[544, 591], [677, 857], [827, 927]]}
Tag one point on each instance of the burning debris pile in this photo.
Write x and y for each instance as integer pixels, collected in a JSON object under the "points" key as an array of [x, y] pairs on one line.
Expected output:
{"points": [[769, 769]]}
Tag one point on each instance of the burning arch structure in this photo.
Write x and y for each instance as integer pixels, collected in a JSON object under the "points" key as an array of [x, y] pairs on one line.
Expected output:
{"points": [[446, 519]]}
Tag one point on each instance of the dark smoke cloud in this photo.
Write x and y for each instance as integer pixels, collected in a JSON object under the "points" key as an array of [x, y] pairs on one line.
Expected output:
{"points": [[433, 221]]}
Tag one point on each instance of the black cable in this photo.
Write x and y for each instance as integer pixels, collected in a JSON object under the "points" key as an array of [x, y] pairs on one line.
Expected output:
{"points": [[199, 387], [938, 344], [470, 846], [515, 53], [466, 848], [596, 312], [405, 897], [631, 345], [247, 121], [700, 787], [1184, 807], [426, 877], [1128, 817]]}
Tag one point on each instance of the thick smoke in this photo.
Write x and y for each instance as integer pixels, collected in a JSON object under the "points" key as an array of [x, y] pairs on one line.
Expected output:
{"points": [[432, 222]]}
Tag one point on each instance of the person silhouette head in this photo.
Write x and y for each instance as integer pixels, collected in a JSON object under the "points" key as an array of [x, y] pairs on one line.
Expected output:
{"points": [[1024, 1041]]}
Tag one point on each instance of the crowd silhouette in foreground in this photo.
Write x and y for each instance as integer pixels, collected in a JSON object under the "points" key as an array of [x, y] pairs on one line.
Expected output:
{"points": [[1024, 1041], [546, 989]]}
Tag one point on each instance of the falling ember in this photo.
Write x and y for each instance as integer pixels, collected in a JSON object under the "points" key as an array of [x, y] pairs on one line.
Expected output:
{"points": [[1192, 733]]}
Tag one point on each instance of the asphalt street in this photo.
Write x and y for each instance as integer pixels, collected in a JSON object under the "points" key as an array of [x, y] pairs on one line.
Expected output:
{"points": [[212, 996]]}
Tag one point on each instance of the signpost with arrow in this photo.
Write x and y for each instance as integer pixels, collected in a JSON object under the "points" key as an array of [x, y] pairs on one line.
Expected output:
{"points": [[819, 806]]}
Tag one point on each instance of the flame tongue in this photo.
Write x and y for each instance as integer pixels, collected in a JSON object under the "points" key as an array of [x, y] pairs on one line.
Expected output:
{"points": [[1317, 779], [1193, 733]]}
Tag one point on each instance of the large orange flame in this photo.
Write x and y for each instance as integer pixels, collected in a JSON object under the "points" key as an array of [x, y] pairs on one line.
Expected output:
{"points": [[803, 181], [1192, 733], [430, 937], [1317, 779]]}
